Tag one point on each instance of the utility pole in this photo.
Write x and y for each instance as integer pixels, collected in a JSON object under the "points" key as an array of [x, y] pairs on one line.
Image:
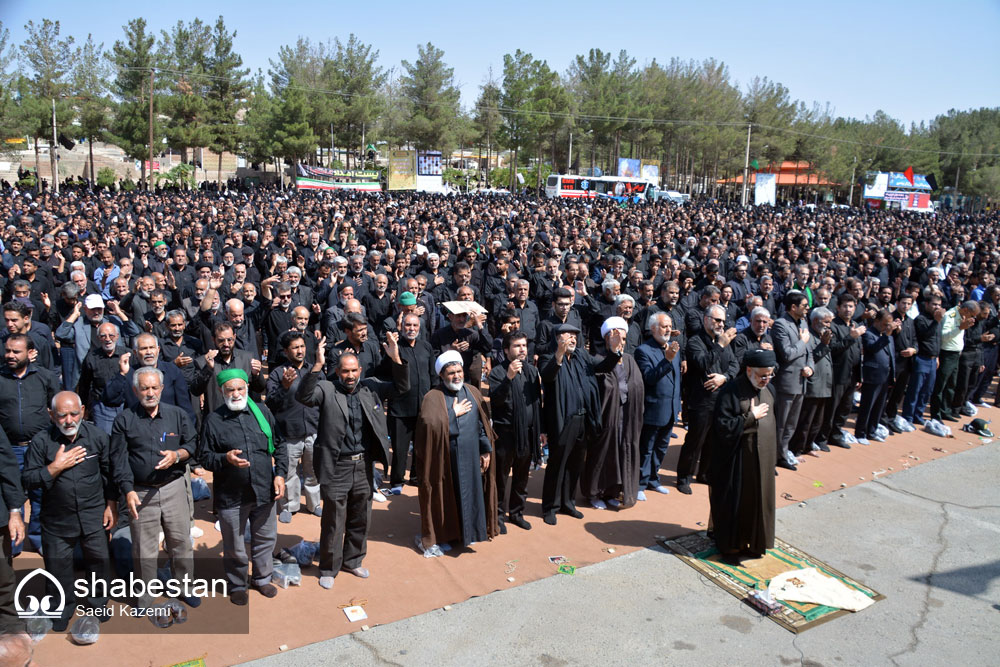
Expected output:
{"points": [[54, 158], [149, 174], [746, 168], [364, 158], [850, 197], [569, 160]]}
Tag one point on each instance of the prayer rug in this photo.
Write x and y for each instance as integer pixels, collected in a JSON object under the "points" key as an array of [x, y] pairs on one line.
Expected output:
{"points": [[699, 551]]}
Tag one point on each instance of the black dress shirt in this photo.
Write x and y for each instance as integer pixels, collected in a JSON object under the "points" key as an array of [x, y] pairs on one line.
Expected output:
{"points": [[73, 501], [136, 442], [225, 430]]}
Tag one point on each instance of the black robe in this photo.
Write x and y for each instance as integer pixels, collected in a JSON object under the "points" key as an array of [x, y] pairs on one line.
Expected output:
{"points": [[744, 453], [613, 459]]}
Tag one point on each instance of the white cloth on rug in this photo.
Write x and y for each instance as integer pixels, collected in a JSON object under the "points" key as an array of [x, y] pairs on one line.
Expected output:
{"points": [[812, 586]]}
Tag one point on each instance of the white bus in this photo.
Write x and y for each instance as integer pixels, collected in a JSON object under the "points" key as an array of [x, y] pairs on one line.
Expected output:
{"points": [[620, 188]]}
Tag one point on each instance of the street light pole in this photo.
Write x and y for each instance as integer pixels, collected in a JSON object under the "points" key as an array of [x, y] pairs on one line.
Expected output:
{"points": [[850, 197], [54, 158], [569, 160], [746, 168]]}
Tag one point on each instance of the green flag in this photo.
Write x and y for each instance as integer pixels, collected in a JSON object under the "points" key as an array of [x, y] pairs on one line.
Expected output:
{"points": [[754, 165]]}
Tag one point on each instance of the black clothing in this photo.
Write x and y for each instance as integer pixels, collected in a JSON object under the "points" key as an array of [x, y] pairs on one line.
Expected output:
{"points": [[136, 442], [295, 420], [99, 368], [73, 502], [24, 402], [225, 430]]}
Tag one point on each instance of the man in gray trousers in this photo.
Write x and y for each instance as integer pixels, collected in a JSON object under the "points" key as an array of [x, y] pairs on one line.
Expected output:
{"points": [[791, 339]]}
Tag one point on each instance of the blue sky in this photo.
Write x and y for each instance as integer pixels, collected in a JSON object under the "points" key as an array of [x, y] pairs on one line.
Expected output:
{"points": [[912, 59]]}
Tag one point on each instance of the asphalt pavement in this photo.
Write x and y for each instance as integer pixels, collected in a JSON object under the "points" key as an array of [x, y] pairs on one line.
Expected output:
{"points": [[928, 538]]}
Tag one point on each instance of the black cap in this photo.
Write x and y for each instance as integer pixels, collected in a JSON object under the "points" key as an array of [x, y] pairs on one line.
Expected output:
{"points": [[566, 328]]}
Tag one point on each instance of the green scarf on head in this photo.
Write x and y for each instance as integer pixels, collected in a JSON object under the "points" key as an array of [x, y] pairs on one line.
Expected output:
{"points": [[234, 373]]}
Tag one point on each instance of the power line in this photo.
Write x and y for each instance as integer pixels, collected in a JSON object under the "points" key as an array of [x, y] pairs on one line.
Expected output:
{"points": [[568, 115]]}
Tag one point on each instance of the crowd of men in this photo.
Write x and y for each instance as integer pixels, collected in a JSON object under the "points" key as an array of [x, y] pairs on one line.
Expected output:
{"points": [[316, 351]]}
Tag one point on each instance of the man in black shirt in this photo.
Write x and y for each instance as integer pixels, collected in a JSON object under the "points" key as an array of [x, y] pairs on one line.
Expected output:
{"points": [[150, 443], [516, 400], [352, 432], [927, 328], [100, 366], [403, 409], [237, 444], [70, 463], [11, 533], [297, 424], [25, 395]]}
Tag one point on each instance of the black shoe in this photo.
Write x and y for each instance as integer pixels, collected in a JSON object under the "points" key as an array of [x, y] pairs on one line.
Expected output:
{"points": [[823, 447], [949, 418], [549, 518], [267, 590], [414, 481], [892, 427], [573, 512], [239, 598], [520, 522], [684, 488], [786, 465], [735, 560], [702, 479], [503, 527], [841, 443]]}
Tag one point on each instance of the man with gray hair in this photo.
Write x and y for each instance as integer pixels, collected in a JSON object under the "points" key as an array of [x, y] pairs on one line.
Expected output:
{"points": [[819, 386], [150, 443], [596, 310], [659, 360]]}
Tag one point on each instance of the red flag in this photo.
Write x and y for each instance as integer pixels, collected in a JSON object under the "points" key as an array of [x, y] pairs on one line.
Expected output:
{"points": [[909, 175]]}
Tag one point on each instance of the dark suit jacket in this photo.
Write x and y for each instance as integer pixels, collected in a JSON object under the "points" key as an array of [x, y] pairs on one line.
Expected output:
{"points": [[663, 383], [118, 391], [878, 361], [314, 391]]}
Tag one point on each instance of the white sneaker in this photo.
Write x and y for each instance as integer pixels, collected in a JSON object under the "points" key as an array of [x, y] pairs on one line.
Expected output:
{"points": [[598, 504], [196, 532], [661, 489], [863, 441], [878, 438], [378, 497], [641, 496]]}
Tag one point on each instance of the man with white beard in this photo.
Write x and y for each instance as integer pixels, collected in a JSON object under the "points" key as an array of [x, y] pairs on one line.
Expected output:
{"points": [[71, 463], [238, 444]]}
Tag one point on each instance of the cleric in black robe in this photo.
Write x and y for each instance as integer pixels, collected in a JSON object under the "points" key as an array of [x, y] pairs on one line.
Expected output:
{"points": [[612, 467], [744, 451]]}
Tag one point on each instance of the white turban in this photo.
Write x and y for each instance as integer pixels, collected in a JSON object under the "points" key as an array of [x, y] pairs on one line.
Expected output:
{"points": [[613, 323], [449, 357]]}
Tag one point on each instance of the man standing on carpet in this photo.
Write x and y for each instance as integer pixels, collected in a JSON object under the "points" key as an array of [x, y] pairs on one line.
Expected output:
{"points": [[612, 466], [516, 402], [454, 443], [352, 435], [238, 444], [744, 449], [572, 412]]}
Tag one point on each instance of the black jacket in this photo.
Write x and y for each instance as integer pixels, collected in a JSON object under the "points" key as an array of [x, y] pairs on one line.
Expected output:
{"points": [[845, 352], [11, 493], [314, 391]]}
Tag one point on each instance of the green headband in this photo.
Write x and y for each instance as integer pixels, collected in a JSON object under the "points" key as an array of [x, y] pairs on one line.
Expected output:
{"points": [[238, 373], [231, 374]]}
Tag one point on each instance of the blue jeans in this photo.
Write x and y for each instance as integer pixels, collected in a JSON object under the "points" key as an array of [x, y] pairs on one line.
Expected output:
{"points": [[104, 416], [34, 532], [653, 442], [918, 390]]}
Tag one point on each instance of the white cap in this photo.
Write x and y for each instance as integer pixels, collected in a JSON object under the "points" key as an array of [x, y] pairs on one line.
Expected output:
{"points": [[613, 323], [421, 249], [742, 259], [449, 357], [93, 301]]}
